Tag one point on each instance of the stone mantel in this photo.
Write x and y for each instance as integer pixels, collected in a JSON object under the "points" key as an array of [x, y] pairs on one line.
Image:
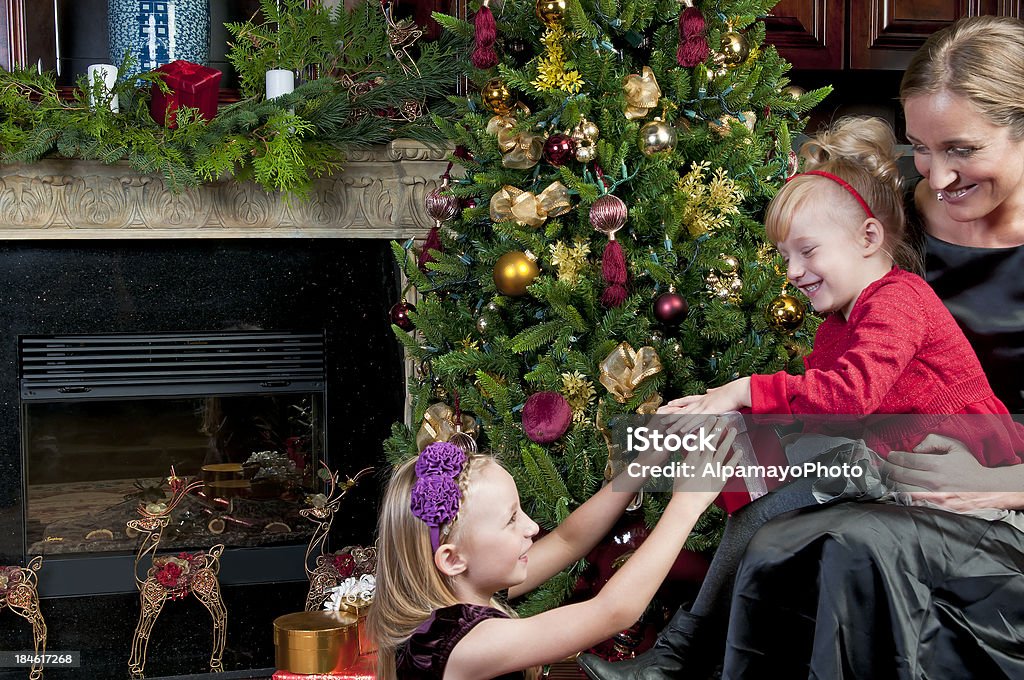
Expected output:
{"points": [[379, 194]]}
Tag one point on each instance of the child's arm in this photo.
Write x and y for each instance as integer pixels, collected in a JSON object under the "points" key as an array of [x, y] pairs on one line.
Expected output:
{"points": [[582, 530], [498, 646], [731, 396]]}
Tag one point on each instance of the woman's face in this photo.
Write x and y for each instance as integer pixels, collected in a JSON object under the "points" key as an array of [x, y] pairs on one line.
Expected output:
{"points": [[975, 167]]}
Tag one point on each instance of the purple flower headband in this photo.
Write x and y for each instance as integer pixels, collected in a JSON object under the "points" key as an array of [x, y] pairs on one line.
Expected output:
{"points": [[436, 495]]}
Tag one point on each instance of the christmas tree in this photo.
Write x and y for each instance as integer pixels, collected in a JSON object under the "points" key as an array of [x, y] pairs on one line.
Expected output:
{"points": [[602, 251]]}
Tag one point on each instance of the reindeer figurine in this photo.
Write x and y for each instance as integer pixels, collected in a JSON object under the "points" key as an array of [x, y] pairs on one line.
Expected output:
{"points": [[18, 591], [174, 577], [325, 575]]}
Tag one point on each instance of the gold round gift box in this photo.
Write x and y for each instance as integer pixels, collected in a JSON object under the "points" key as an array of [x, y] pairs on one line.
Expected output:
{"points": [[315, 642]]}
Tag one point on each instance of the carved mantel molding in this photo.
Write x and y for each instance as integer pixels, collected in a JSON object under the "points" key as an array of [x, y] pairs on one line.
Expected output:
{"points": [[378, 195]]}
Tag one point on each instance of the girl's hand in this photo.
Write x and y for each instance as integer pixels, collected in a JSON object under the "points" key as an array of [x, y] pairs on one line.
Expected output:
{"points": [[705, 480], [729, 397]]}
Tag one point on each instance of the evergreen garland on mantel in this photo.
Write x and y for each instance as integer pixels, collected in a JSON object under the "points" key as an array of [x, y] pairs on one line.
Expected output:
{"points": [[281, 144]]}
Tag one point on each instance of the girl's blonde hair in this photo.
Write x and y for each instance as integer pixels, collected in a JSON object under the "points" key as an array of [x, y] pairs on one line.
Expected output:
{"points": [[980, 59], [862, 152], [409, 586]]}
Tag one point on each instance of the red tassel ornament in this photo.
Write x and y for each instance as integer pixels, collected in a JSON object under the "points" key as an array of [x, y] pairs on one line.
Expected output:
{"points": [[613, 268], [607, 215], [485, 34], [693, 45]]}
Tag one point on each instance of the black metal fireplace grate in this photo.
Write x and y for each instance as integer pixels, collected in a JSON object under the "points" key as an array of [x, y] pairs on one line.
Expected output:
{"points": [[169, 364]]}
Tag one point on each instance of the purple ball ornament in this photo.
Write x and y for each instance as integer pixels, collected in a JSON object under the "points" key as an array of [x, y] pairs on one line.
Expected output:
{"points": [[546, 417], [399, 316], [671, 308], [442, 206], [559, 149], [608, 214]]}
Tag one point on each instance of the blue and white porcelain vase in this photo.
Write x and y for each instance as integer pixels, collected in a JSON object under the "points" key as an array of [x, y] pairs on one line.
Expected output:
{"points": [[157, 32]]}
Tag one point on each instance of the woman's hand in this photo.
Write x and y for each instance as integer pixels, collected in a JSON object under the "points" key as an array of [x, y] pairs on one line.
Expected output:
{"points": [[943, 472], [729, 397]]}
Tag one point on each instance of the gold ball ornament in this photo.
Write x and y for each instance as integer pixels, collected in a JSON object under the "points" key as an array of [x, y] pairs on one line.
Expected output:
{"points": [[585, 137], [657, 136], [729, 263], [794, 91], [497, 97], [586, 151], [513, 272], [551, 12], [734, 49], [587, 129], [786, 313]]}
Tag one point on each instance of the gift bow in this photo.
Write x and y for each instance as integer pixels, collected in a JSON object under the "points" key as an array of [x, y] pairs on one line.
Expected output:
{"points": [[624, 369], [528, 209], [440, 425], [352, 592], [522, 150], [642, 93]]}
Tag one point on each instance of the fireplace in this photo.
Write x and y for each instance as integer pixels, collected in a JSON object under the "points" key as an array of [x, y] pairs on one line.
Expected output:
{"points": [[244, 363], [88, 249], [106, 417]]}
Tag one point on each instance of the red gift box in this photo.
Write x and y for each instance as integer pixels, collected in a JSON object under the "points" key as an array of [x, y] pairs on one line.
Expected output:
{"points": [[190, 85], [365, 668]]}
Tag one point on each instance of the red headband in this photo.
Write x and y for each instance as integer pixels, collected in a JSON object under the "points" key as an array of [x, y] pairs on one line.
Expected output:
{"points": [[841, 182]]}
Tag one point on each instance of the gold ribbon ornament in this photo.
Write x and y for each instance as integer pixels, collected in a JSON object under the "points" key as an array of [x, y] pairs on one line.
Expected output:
{"points": [[642, 93], [439, 425], [512, 204], [624, 369], [522, 150]]}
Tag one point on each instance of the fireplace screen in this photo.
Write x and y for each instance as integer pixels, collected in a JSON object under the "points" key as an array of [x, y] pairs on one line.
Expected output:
{"points": [[104, 418]]}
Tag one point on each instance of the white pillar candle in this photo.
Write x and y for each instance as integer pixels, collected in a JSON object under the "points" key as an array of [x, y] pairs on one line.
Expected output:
{"points": [[280, 81], [107, 73]]}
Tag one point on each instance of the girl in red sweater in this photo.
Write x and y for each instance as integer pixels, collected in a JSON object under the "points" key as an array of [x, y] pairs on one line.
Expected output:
{"points": [[888, 345]]}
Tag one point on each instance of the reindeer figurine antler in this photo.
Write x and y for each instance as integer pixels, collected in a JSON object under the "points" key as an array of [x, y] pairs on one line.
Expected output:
{"points": [[174, 577], [324, 574]]}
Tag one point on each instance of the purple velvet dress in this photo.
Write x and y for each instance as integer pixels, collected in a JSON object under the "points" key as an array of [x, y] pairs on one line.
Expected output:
{"points": [[425, 655]]}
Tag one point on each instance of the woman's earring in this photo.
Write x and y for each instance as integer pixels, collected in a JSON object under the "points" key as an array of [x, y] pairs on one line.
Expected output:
{"points": [[938, 195]]}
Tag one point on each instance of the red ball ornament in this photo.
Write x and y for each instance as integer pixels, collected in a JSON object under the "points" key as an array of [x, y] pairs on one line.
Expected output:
{"points": [[546, 417], [399, 316], [559, 149], [671, 308]]}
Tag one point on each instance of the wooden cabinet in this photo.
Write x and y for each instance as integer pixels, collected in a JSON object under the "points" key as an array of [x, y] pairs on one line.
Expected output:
{"points": [[868, 34], [810, 34]]}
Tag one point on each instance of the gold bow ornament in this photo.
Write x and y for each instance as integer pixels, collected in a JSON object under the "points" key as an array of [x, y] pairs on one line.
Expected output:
{"points": [[439, 425], [624, 369], [642, 93], [512, 204], [522, 150]]}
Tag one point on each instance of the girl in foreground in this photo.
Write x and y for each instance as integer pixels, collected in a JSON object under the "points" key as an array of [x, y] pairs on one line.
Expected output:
{"points": [[452, 535]]}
